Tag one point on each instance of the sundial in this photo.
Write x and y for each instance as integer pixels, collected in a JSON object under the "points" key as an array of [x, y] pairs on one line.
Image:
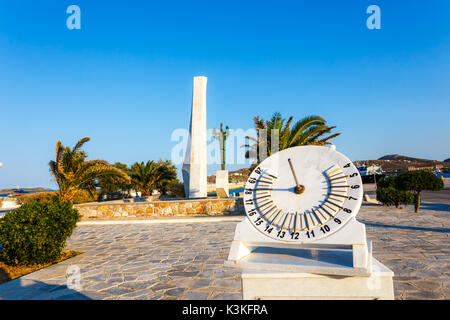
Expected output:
{"points": [[301, 205], [303, 194]]}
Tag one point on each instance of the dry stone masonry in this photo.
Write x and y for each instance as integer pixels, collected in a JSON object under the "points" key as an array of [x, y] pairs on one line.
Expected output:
{"points": [[154, 209]]}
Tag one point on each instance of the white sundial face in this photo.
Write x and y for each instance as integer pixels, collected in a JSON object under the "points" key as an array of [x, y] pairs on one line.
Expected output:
{"points": [[302, 194]]}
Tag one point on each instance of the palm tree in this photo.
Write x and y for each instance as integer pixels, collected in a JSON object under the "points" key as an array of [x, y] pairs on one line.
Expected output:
{"points": [[74, 173], [310, 130], [145, 176], [114, 184], [167, 177]]}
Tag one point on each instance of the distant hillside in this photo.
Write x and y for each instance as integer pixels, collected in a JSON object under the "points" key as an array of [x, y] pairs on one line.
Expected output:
{"points": [[237, 176], [398, 163], [400, 157], [447, 160], [25, 189]]}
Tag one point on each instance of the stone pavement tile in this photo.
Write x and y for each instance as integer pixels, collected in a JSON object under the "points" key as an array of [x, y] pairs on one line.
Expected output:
{"points": [[162, 286], [167, 298], [136, 294], [195, 295], [183, 273], [94, 295], [201, 283], [227, 296], [422, 295], [427, 285], [137, 285], [174, 292], [227, 283], [221, 274], [182, 282], [400, 285], [116, 291]]}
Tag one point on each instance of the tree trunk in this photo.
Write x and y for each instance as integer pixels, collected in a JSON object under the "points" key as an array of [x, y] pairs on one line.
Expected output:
{"points": [[417, 203], [222, 153]]}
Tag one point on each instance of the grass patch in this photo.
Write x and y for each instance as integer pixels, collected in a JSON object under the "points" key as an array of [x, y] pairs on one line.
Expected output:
{"points": [[8, 272]]}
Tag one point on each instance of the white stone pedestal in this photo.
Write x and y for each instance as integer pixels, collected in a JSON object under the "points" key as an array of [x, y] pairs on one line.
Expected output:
{"points": [[222, 185], [273, 285], [344, 253]]}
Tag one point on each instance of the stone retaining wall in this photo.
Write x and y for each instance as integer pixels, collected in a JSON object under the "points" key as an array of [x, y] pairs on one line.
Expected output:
{"points": [[180, 208]]}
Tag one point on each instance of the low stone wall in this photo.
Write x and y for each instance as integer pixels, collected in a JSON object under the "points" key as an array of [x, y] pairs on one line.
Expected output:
{"points": [[180, 208]]}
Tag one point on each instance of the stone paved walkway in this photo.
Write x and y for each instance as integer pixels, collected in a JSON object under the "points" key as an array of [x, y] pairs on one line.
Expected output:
{"points": [[185, 261]]}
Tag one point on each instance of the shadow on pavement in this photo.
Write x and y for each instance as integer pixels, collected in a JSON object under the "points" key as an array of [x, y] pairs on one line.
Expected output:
{"points": [[38, 290], [435, 206], [370, 224]]}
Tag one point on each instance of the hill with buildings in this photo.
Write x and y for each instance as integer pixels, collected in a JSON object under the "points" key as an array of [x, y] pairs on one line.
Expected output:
{"points": [[397, 162]]}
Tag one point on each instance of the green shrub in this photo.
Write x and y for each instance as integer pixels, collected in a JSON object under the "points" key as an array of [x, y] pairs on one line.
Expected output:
{"points": [[391, 196], [176, 189], [387, 182], [37, 231]]}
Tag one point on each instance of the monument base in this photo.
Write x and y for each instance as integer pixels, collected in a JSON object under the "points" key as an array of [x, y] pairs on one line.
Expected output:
{"points": [[271, 285]]}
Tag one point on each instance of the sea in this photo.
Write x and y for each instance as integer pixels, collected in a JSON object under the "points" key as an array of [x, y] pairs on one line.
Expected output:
{"points": [[445, 175]]}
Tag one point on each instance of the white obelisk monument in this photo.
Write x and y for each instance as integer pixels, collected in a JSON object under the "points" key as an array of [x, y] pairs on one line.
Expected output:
{"points": [[194, 166]]}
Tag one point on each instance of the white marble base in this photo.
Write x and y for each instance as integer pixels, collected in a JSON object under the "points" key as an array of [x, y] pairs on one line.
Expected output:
{"points": [[272, 285], [331, 261], [222, 185], [346, 252]]}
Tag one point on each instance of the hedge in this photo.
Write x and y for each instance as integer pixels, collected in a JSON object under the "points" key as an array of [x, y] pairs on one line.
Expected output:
{"points": [[36, 232]]}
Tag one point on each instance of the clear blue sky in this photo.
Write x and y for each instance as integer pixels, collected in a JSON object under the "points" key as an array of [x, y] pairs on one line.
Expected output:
{"points": [[125, 78]]}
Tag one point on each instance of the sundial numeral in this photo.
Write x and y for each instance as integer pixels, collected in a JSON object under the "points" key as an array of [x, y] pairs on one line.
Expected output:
{"points": [[258, 221], [353, 175], [281, 234], [310, 234], [355, 186], [337, 220], [268, 228], [249, 201], [294, 235], [347, 165], [325, 229]]}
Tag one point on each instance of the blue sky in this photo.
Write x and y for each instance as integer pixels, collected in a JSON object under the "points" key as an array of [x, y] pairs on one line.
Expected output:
{"points": [[125, 78]]}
